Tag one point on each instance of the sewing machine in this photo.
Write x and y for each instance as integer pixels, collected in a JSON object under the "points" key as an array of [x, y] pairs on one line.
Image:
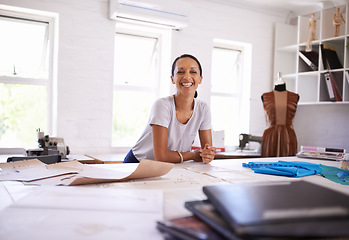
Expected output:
{"points": [[247, 138], [49, 146]]}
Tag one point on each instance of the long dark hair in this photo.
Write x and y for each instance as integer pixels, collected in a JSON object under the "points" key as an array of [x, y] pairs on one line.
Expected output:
{"points": [[186, 56]]}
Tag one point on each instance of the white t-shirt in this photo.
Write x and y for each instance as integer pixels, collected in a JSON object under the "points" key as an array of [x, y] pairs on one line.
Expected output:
{"points": [[180, 136]]}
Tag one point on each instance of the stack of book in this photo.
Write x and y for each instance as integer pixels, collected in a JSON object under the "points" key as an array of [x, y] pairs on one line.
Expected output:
{"points": [[270, 210], [321, 153]]}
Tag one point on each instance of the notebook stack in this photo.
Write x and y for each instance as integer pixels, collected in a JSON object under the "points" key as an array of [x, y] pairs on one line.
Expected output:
{"points": [[295, 210]]}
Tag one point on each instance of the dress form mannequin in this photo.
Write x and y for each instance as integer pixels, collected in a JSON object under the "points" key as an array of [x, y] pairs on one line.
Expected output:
{"points": [[279, 85], [280, 105], [279, 82]]}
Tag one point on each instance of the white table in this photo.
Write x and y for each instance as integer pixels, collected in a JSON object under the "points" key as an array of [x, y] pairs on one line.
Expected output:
{"points": [[183, 183]]}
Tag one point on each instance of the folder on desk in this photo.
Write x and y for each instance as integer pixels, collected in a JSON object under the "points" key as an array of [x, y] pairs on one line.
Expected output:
{"points": [[205, 211], [286, 209], [187, 228]]}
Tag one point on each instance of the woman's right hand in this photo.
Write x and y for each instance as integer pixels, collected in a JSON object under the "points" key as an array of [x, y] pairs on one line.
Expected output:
{"points": [[205, 155], [197, 157]]}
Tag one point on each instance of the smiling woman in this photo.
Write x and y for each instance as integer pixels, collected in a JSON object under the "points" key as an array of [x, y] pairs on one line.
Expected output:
{"points": [[175, 120]]}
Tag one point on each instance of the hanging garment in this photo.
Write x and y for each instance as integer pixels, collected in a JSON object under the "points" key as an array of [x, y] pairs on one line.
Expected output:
{"points": [[279, 139]]}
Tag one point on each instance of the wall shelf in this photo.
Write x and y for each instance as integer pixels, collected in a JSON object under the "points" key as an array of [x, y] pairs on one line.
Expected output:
{"points": [[310, 84]]}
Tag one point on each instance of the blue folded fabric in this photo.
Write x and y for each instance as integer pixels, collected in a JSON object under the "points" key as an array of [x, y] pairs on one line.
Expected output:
{"points": [[283, 168]]}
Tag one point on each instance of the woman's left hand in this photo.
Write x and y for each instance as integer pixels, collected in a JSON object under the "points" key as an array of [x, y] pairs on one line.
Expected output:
{"points": [[207, 153]]}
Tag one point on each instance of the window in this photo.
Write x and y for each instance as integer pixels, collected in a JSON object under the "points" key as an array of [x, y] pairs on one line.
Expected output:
{"points": [[230, 91], [138, 81], [25, 77]]}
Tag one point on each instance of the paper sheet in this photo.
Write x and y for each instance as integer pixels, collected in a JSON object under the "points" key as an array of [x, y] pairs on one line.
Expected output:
{"points": [[146, 169], [75, 173], [29, 170], [79, 212]]}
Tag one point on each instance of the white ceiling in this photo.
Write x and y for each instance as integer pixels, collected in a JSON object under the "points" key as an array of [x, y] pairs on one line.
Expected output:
{"points": [[284, 7]]}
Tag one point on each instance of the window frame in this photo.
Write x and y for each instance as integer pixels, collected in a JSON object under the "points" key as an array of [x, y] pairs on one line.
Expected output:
{"points": [[228, 94], [163, 35], [244, 90], [137, 87], [51, 82]]}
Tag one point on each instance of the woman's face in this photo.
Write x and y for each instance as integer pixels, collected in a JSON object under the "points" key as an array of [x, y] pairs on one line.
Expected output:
{"points": [[186, 76]]}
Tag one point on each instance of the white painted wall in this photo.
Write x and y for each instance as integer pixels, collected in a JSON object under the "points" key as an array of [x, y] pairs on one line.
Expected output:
{"points": [[323, 125], [85, 62]]}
